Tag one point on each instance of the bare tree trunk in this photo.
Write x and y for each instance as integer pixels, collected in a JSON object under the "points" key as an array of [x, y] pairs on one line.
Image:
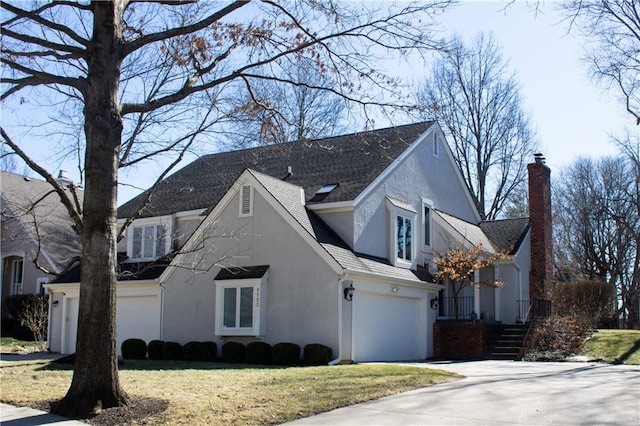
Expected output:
{"points": [[95, 381]]}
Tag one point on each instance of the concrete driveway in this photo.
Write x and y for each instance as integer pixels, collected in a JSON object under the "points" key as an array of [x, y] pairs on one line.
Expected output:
{"points": [[507, 392]]}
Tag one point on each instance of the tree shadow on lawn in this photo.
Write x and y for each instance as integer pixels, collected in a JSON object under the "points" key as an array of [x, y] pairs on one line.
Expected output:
{"points": [[625, 356], [66, 363]]}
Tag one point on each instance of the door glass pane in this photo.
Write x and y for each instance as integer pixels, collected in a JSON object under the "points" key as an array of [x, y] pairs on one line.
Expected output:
{"points": [[246, 307], [229, 307]]}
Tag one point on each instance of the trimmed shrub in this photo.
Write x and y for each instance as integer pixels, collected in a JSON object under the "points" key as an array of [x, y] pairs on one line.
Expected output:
{"points": [[172, 351], [209, 351], [555, 338], [586, 301], [134, 349], [317, 354], [154, 349], [286, 354], [259, 353], [192, 351], [233, 352]]}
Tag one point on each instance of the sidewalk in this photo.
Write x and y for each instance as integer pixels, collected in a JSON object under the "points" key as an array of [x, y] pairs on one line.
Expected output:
{"points": [[22, 416]]}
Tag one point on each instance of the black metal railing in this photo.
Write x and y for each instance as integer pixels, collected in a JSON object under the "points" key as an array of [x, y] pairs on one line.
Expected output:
{"points": [[456, 307], [529, 310]]}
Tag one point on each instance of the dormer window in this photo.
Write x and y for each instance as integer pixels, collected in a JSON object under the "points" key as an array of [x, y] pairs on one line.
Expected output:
{"points": [[148, 242]]}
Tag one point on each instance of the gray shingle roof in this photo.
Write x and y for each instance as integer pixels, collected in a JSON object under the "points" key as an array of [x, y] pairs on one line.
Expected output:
{"points": [[288, 196], [49, 219], [507, 233], [353, 161]]}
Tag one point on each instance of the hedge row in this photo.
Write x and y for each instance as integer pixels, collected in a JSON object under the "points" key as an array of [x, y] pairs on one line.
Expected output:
{"points": [[232, 352]]}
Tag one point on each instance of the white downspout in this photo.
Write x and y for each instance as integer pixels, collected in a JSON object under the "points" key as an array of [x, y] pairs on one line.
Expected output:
{"points": [[340, 308], [49, 321]]}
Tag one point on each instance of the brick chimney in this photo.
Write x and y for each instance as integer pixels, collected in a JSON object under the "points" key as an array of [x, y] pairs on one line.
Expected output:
{"points": [[541, 275]]}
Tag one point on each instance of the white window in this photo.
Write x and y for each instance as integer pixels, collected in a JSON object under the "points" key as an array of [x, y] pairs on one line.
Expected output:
{"points": [[246, 201], [239, 307], [403, 217], [148, 242], [404, 230], [436, 145], [16, 276], [427, 207]]}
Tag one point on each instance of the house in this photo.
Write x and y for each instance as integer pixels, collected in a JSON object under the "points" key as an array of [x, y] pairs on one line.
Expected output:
{"points": [[38, 239], [327, 241]]}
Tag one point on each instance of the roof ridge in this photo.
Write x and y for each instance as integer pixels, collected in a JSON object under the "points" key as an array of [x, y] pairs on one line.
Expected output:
{"points": [[505, 219]]}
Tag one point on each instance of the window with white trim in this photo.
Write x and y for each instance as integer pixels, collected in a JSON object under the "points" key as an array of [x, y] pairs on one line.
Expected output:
{"points": [[246, 201], [239, 307], [404, 237], [436, 146], [403, 216], [17, 266], [427, 207], [40, 281], [148, 242]]}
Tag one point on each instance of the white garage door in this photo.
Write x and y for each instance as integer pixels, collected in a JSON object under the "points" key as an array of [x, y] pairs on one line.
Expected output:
{"points": [[136, 317], [387, 328]]}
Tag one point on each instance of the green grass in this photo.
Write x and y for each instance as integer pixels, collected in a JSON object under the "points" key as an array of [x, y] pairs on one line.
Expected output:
{"points": [[216, 393], [9, 344], [619, 346]]}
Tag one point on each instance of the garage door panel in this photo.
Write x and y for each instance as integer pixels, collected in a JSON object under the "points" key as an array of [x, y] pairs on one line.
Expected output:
{"points": [[387, 328], [136, 317]]}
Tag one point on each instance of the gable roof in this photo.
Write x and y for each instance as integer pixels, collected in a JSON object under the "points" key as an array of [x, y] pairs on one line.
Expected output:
{"points": [[289, 197], [47, 221], [506, 234], [469, 232], [353, 161]]}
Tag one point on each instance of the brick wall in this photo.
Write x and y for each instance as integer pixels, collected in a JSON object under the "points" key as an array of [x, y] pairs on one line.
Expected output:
{"points": [[462, 340]]}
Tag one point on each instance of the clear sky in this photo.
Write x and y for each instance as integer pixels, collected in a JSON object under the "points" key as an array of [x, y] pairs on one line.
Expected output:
{"points": [[572, 115]]}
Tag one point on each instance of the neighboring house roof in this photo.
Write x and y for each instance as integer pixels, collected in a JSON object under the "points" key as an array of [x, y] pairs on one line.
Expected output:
{"points": [[506, 234], [47, 222], [352, 161]]}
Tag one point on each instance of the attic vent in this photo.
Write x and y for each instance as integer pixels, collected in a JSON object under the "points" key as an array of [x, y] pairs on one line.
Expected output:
{"points": [[326, 188], [246, 200]]}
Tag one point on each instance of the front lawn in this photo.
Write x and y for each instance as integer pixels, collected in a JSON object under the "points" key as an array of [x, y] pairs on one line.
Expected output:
{"points": [[10, 344], [215, 393], [622, 346]]}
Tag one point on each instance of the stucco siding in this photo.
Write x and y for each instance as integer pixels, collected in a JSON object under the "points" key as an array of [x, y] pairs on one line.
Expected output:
{"points": [[300, 292], [418, 176]]}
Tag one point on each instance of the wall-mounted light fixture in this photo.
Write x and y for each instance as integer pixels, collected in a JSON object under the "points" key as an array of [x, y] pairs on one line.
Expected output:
{"points": [[55, 303], [434, 303], [394, 289], [349, 291]]}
